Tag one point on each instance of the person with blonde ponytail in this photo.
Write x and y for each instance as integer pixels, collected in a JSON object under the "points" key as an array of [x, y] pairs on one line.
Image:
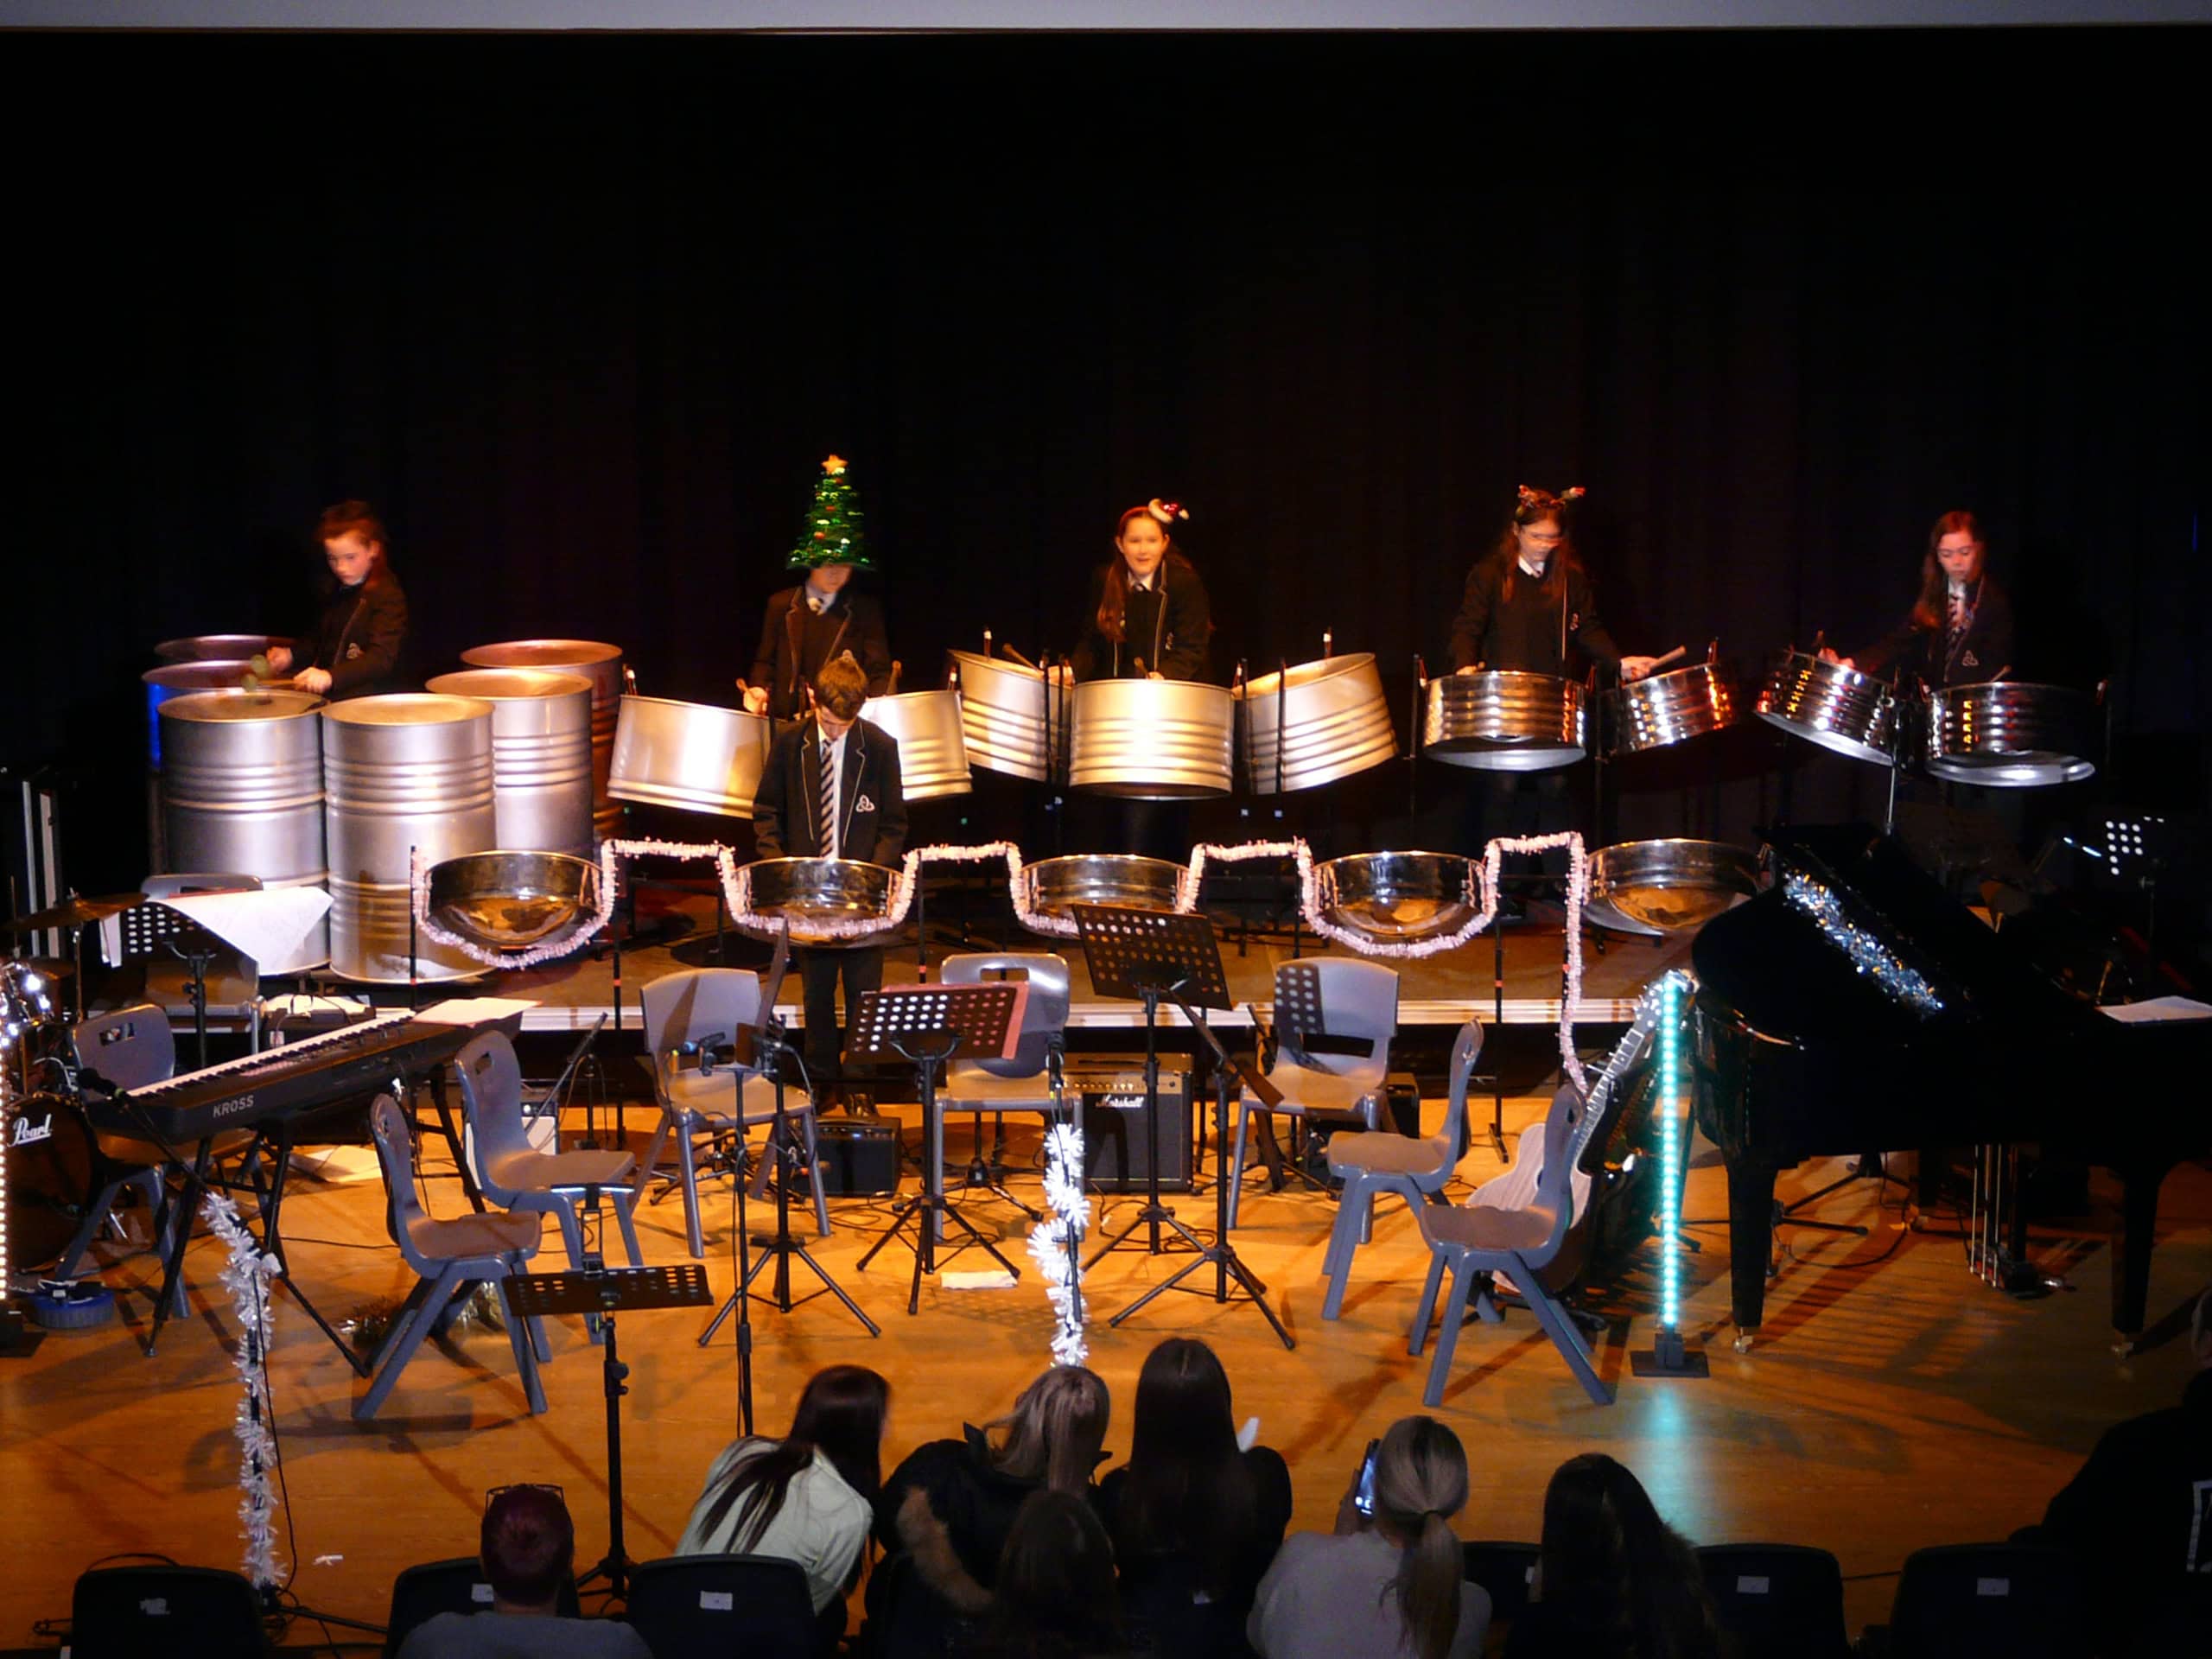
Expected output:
{"points": [[1391, 1584]]}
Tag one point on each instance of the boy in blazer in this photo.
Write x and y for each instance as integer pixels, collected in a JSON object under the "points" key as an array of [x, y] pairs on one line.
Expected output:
{"points": [[832, 789]]}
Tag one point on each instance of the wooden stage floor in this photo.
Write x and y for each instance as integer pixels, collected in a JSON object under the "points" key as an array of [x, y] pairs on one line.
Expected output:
{"points": [[1891, 1402]]}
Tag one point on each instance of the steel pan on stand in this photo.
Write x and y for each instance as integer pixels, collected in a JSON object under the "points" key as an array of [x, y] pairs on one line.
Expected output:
{"points": [[1658, 887], [1663, 709], [1500, 720], [1013, 718], [1840, 708], [222, 647], [1152, 740], [541, 753], [598, 663], [513, 901], [690, 755], [808, 892], [1398, 898], [932, 744], [1315, 723], [2009, 735], [1054, 886]]}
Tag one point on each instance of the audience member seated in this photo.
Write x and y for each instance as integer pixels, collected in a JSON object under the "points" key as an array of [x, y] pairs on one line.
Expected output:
{"points": [[2139, 1517], [1384, 1585], [945, 1513], [527, 1546], [1614, 1581], [1054, 1595], [809, 1497], [1194, 1520]]}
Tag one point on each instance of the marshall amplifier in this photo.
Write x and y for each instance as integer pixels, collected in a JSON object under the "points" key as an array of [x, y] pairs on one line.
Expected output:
{"points": [[860, 1156], [1116, 1147]]}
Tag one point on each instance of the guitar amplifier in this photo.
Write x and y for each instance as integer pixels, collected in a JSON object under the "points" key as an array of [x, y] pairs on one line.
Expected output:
{"points": [[1116, 1144], [860, 1156]]}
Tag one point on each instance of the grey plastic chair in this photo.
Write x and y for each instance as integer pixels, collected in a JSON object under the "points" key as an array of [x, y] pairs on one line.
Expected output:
{"points": [[445, 1255], [1375, 1163], [1350, 1000], [698, 1005], [1023, 1084], [514, 1174]]}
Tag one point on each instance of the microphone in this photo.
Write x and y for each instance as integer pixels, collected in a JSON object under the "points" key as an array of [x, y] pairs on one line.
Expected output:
{"points": [[702, 1049]]}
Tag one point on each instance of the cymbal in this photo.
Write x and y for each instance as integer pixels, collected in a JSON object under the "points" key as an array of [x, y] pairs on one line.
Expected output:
{"points": [[74, 912]]}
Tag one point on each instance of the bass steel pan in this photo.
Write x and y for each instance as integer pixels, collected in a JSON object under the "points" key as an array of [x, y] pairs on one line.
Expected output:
{"points": [[692, 755], [597, 662], [1501, 720], [932, 748], [513, 901], [807, 891], [201, 647], [1055, 886], [1663, 709], [1398, 898], [1334, 721], [1827, 704], [1667, 886], [2009, 735], [1152, 740], [1008, 714]]}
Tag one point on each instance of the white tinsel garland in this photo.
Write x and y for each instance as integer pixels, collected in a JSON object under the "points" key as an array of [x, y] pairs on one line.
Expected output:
{"points": [[246, 1274], [1056, 1242]]}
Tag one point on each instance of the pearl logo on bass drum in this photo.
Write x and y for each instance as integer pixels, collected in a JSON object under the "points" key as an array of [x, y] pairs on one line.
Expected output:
{"points": [[24, 1133]]}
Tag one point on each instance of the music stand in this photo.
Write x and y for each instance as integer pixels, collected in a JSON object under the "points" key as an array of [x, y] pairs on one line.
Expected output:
{"points": [[604, 1291], [1141, 954], [925, 1025]]}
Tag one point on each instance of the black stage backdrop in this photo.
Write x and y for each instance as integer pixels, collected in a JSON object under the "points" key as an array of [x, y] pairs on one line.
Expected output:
{"points": [[583, 315]]}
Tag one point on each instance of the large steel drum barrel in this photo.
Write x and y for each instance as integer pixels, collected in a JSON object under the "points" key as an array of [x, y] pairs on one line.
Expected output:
{"points": [[181, 680], [242, 792], [1663, 709], [600, 664], [1837, 708], [2010, 734], [541, 754], [226, 647], [411, 770], [697, 756], [932, 749], [1503, 720], [1012, 719], [1334, 721], [1152, 740]]}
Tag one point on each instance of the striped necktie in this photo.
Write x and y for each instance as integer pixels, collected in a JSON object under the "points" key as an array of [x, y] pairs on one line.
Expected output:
{"points": [[826, 815]]}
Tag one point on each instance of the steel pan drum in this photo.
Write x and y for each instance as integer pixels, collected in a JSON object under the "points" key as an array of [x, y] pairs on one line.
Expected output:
{"points": [[1667, 886], [932, 751], [1055, 886], [2009, 735], [1662, 709], [601, 663], [1827, 704], [1504, 721], [1335, 721], [1006, 712], [513, 901], [1152, 740], [1398, 898], [806, 891], [692, 755], [201, 647], [541, 753]]}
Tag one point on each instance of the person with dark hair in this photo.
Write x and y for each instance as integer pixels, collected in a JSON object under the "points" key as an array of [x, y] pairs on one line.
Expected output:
{"points": [[359, 635], [1053, 1596], [2138, 1516], [1614, 1581], [823, 617], [1959, 630], [1390, 1583], [1195, 1520], [809, 1497], [945, 1513], [831, 788], [527, 1547], [1149, 617]]}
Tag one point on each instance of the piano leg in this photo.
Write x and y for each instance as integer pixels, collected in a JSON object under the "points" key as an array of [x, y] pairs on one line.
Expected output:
{"points": [[2131, 1249], [1751, 1242]]}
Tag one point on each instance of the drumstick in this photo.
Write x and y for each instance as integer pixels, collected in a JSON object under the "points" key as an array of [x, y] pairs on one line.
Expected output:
{"points": [[1658, 663], [892, 690], [1018, 658]]}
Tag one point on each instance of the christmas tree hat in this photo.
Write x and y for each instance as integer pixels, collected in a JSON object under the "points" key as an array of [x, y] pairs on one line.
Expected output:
{"points": [[833, 533]]}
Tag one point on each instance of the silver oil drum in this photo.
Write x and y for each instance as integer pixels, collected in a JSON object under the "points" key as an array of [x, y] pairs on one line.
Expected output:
{"points": [[541, 754], [598, 663]]}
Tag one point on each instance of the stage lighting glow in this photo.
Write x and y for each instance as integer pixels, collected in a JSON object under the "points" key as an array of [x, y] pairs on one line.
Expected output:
{"points": [[1670, 1152]]}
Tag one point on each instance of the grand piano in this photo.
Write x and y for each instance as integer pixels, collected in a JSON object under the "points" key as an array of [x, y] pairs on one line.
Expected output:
{"points": [[1855, 1006]]}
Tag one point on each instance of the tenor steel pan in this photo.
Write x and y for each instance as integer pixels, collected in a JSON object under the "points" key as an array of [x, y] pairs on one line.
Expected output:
{"points": [[932, 749], [202, 647], [1662, 709], [1006, 712], [1667, 886], [1827, 704], [1334, 721], [1398, 898], [1055, 886], [513, 901], [1504, 721], [1152, 740], [2009, 735], [692, 755], [808, 891]]}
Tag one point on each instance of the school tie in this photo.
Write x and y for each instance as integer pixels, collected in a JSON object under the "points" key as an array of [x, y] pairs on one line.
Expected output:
{"points": [[828, 803]]}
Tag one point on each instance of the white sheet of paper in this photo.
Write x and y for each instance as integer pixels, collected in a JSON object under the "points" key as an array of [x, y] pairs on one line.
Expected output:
{"points": [[473, 1010], [273, 926], [2157, 1009]]}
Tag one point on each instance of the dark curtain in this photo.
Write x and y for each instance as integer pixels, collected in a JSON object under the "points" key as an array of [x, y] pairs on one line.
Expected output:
{"points": [[582, 315]]}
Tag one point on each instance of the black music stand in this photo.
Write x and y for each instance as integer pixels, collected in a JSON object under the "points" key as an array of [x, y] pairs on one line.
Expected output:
{"points": [[1143, 955], [925, 1025], [604, 1292]]}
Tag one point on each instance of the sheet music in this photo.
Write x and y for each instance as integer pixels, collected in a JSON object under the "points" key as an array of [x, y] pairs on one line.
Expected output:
{"points": [[475, 1010], [2157, 1010]]}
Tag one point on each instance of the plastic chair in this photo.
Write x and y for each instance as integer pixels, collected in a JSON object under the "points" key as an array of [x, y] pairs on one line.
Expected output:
{"points": [[705, 1606], [233, 979], [514, 1174], [700, 1005], [1023, 1084], [1507, 1572], [445, 1255], [1777, 1601], [1375, 1163], [180, 1612], [419, 1593], [1343, 999], [2020, 1601]]}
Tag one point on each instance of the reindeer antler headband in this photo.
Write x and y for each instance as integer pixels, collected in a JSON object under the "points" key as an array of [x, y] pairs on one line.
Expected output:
{"points": [[1534, 504], [1167, 511]]}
